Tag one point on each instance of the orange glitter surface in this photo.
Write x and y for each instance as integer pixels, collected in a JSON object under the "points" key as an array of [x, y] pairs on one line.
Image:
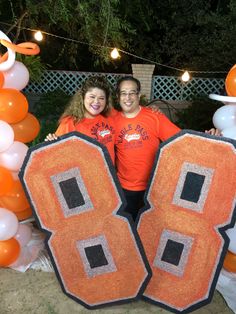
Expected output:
{"points": [[197, 226], [125, 278]]}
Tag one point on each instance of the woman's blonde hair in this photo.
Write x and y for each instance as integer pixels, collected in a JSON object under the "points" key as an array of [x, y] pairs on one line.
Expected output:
{"points": [[76, 108]]}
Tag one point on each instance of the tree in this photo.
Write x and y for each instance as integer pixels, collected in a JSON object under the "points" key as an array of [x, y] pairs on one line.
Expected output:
{"points": [[192, 34], [85, 28], [198, 34]]}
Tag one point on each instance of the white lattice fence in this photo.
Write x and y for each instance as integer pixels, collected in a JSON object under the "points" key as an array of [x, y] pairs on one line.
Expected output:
{"points": [[163, 87], [68, 81], [172, 88]]}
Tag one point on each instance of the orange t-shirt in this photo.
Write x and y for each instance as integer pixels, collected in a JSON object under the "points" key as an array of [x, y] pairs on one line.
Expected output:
{"points": [[100, 128], [137, 141]]}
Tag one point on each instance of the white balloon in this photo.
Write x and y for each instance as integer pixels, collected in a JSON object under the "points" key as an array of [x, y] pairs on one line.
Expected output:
{"points": [[6, 65], [230, 132], [225, 117], [6, 135], [23, 234], [15, 175], [16, 77], [13, 157], [227, 100], [24, 260], [231, 233], [8, 224]]}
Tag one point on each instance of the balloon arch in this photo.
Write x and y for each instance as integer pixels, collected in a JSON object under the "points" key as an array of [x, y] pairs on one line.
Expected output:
{"points": [[224, 119], [17, 127]]}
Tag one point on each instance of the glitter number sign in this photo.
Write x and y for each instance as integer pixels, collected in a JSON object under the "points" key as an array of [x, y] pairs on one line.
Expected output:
{"points": [[95, 251], [191, 199]]}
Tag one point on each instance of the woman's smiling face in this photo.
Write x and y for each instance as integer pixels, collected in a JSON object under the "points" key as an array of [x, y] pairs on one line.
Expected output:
{"points": [[94, 102]]}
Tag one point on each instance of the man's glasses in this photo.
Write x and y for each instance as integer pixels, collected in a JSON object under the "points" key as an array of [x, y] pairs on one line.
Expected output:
{"points": [[130, 94]]}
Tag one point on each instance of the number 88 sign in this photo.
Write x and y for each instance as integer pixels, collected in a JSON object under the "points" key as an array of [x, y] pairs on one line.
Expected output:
{"points": [[96, 252]]}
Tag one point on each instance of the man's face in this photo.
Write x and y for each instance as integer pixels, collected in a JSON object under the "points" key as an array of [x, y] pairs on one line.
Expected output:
{"points": [[129, 98]]}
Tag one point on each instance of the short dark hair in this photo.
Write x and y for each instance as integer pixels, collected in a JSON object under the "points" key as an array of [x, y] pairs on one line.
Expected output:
{"points": [[127, 78]]}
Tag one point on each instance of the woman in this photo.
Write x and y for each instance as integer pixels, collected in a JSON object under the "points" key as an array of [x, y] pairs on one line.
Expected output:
{"points": [[89, 112]]}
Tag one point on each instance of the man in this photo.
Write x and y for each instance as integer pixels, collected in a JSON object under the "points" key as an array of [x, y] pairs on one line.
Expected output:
{"points": [[139, 131]]}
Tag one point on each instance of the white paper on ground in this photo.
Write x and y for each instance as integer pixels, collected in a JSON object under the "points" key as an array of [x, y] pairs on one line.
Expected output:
{"points": [[43, 262], [30, 252], [226, 285]]}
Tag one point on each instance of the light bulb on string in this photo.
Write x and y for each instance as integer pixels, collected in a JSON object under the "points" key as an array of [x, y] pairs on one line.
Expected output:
{"points": [[115, 53], [185, 77], [38, 36]]}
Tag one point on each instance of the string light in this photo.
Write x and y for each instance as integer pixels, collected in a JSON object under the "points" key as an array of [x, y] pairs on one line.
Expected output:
{"points": [[38, 36], [118, 50], [185, 77], [115, 54]]}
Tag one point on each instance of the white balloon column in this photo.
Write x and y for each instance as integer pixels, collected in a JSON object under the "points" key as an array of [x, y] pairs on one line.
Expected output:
{"points": [[17, 127], [224, 119]]}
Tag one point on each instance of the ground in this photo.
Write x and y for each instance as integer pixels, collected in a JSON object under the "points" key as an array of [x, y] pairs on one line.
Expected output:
{"points": [[38, 292]]}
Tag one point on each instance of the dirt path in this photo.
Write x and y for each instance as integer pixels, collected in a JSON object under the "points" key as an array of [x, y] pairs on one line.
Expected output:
{"points": [[37, 292]]}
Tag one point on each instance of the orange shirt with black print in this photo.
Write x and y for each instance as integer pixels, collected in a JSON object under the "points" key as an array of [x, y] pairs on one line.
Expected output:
{"points": [[137, 141], [100, 128]]}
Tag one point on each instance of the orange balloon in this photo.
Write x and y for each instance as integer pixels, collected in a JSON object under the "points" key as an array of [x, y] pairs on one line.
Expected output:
{"points": [[6, 181], [1, 80], [9, 252], [27, 129], [25, 214], [15, 200], [230, 82], [230, 262], [13, 105]]}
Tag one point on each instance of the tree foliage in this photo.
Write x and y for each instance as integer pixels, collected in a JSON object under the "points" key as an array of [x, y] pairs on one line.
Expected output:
{"points": [[194, 34], [201, 34], [198, 115], [84, 28]]}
